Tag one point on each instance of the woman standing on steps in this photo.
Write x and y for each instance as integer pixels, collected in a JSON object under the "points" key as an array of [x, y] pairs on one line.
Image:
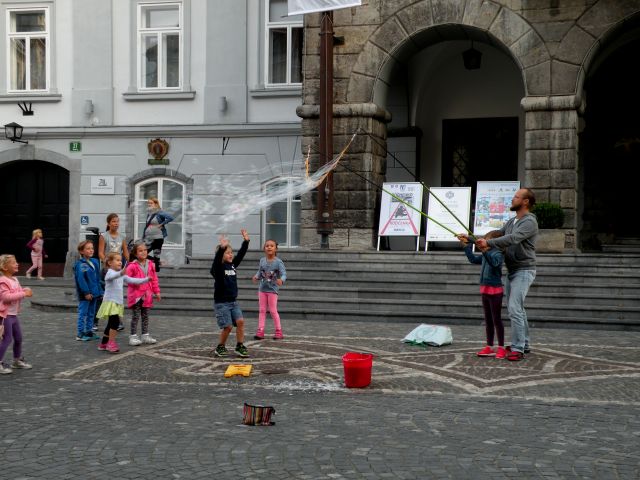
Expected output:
{"points": [[154, 231]]}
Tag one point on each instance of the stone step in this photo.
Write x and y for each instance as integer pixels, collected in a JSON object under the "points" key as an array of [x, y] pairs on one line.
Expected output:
{"points": [[613, 322]]}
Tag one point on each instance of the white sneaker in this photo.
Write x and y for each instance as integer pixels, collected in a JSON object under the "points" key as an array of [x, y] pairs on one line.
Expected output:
{"points": [[147, 339], [5, 370], [134, 340], [28, 275], [19, 363]]}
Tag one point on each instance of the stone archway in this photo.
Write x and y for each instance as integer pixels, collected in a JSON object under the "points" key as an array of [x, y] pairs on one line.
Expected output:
{"points": [[71, 192], [610, 140]]}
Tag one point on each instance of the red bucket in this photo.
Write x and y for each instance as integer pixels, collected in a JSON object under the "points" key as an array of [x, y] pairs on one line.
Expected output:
{"points": [[357, 369]]}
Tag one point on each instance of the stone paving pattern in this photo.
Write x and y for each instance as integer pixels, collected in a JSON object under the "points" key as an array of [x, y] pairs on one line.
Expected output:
{"points": [[570, 410]]}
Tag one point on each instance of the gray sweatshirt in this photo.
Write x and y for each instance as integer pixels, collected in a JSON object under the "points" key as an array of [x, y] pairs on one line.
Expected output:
{"points": [[519, 240], [114, 285], [269, 272]]}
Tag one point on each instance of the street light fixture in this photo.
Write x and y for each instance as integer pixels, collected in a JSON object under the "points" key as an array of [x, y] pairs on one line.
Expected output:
{"points": [[13, 132]]}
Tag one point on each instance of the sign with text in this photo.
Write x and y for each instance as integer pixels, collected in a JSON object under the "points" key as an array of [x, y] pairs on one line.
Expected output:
{"points": [[396, 218], [300, 7], [75, 146], [103, 185], [458, 200], [493, 203]]}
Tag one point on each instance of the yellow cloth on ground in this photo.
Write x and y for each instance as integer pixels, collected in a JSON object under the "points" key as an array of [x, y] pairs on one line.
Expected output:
{"points": [[110, 308], [244, 370]]}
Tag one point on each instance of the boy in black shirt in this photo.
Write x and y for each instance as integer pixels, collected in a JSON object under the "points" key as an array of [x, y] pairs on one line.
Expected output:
{"points": [[225, 292]]}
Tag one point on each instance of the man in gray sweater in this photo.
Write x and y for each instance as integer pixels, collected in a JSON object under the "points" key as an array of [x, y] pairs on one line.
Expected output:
{"points": [[518, 240]]}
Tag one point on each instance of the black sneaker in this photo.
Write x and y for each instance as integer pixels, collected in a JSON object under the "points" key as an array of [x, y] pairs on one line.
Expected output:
{"points": [[241, 350], [95, 327], [120, 326], [221, 351], [527, 350]]}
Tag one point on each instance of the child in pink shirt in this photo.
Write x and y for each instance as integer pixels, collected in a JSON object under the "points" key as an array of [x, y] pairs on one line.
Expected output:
{"points": [[11, 293], [36, 245]]}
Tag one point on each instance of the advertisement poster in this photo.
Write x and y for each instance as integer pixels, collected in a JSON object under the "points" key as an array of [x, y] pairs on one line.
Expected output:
{"points": [[396, 218], [493, 201], [458, 200]]}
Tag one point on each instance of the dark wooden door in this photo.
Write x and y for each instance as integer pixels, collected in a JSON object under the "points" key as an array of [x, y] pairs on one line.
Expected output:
{"points": [[35, 195]]}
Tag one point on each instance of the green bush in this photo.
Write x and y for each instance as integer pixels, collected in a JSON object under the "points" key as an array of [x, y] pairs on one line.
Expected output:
{"points": [[550, 215]]}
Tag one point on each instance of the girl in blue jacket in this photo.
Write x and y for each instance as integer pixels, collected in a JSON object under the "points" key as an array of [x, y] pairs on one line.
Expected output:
{"points": [[492, 292], [87, 275]]}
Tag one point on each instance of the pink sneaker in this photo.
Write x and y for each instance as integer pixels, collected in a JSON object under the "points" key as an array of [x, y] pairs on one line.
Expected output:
{"points": [[112, 347], [278, 335], [259, 335], [102, 346], [486, 352], [501, 353]]}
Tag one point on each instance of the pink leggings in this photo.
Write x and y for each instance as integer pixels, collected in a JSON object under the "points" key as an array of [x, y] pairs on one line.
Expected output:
{"points": [[268, 301], [36, 260]]}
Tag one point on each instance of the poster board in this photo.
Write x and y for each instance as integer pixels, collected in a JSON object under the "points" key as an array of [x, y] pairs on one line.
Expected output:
{"points": [[493, 203], [396, 218], [458, 200]]}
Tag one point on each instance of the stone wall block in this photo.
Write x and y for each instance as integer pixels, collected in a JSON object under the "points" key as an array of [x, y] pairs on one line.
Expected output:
{"points": [[538, 120], [565, 159], [353, 218], [574, 46], [358, 200], [530, 49], [310, 92], [389, 35], [564, 179], [542, 14], [360, 89], [341, 200], [538, 79], [354, 38], [416, 17], [509, 27], [342, 65], [537, 140], [312, 40], [568, 198], [311, 67], [566, 138], [388, 9], [554, 31], [542, 195], [370, 59], [605, 14], [368, 13], [480, 13], [554, 196], [309, 216], [537, 159], [564, 78], [447, 11], [564, 119], [569, 218], [361, 238], [536, 179], [340, 89]]}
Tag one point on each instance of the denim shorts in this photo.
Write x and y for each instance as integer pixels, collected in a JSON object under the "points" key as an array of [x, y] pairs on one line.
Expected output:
{"points": [[227, 313]]}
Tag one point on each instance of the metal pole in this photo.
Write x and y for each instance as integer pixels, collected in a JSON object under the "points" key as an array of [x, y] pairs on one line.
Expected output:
{"points": [[325, 189]]}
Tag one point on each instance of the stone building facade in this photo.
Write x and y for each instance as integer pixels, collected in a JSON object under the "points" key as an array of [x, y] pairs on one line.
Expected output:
{"points": [[545, 63]]}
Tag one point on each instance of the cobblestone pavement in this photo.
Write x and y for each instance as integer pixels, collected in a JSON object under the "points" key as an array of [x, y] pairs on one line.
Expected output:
{"points": [[569, 410]]}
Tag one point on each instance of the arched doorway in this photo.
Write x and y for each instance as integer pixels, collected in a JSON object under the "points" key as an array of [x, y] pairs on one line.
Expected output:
{"points": [[35, 195], [453, 125], [610, 141]]}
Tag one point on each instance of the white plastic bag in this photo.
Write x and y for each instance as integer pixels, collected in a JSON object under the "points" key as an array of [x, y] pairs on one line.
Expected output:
{"points": [[434, 335]]}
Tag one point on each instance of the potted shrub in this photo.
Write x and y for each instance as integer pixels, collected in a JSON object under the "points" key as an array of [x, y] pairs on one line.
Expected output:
{"points": [[550, 219]]}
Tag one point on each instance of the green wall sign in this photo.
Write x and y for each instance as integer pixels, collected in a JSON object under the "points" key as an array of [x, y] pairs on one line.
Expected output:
{"points": [[75, 146]]}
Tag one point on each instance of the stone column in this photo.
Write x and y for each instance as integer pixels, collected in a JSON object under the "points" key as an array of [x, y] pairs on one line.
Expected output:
{"points": [[356, 178], [551, 155]]}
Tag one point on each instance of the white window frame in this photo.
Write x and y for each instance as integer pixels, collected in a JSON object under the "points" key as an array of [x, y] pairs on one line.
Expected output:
{"points": [[27, 36], [290, 201], [289, 25], [138, 212], [159, 32]]}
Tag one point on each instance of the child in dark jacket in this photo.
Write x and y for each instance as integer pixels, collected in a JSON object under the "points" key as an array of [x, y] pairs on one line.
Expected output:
{"points": [[491, 290], [87, 275], [225, 292]]}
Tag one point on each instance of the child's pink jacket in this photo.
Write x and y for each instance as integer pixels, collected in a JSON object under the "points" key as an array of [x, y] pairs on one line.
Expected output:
{"points": [[10, 295], [144, 291]]}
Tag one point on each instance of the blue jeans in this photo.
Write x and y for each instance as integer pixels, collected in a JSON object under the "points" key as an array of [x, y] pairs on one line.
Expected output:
{"points": [[516, 288], [86, 313]]}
